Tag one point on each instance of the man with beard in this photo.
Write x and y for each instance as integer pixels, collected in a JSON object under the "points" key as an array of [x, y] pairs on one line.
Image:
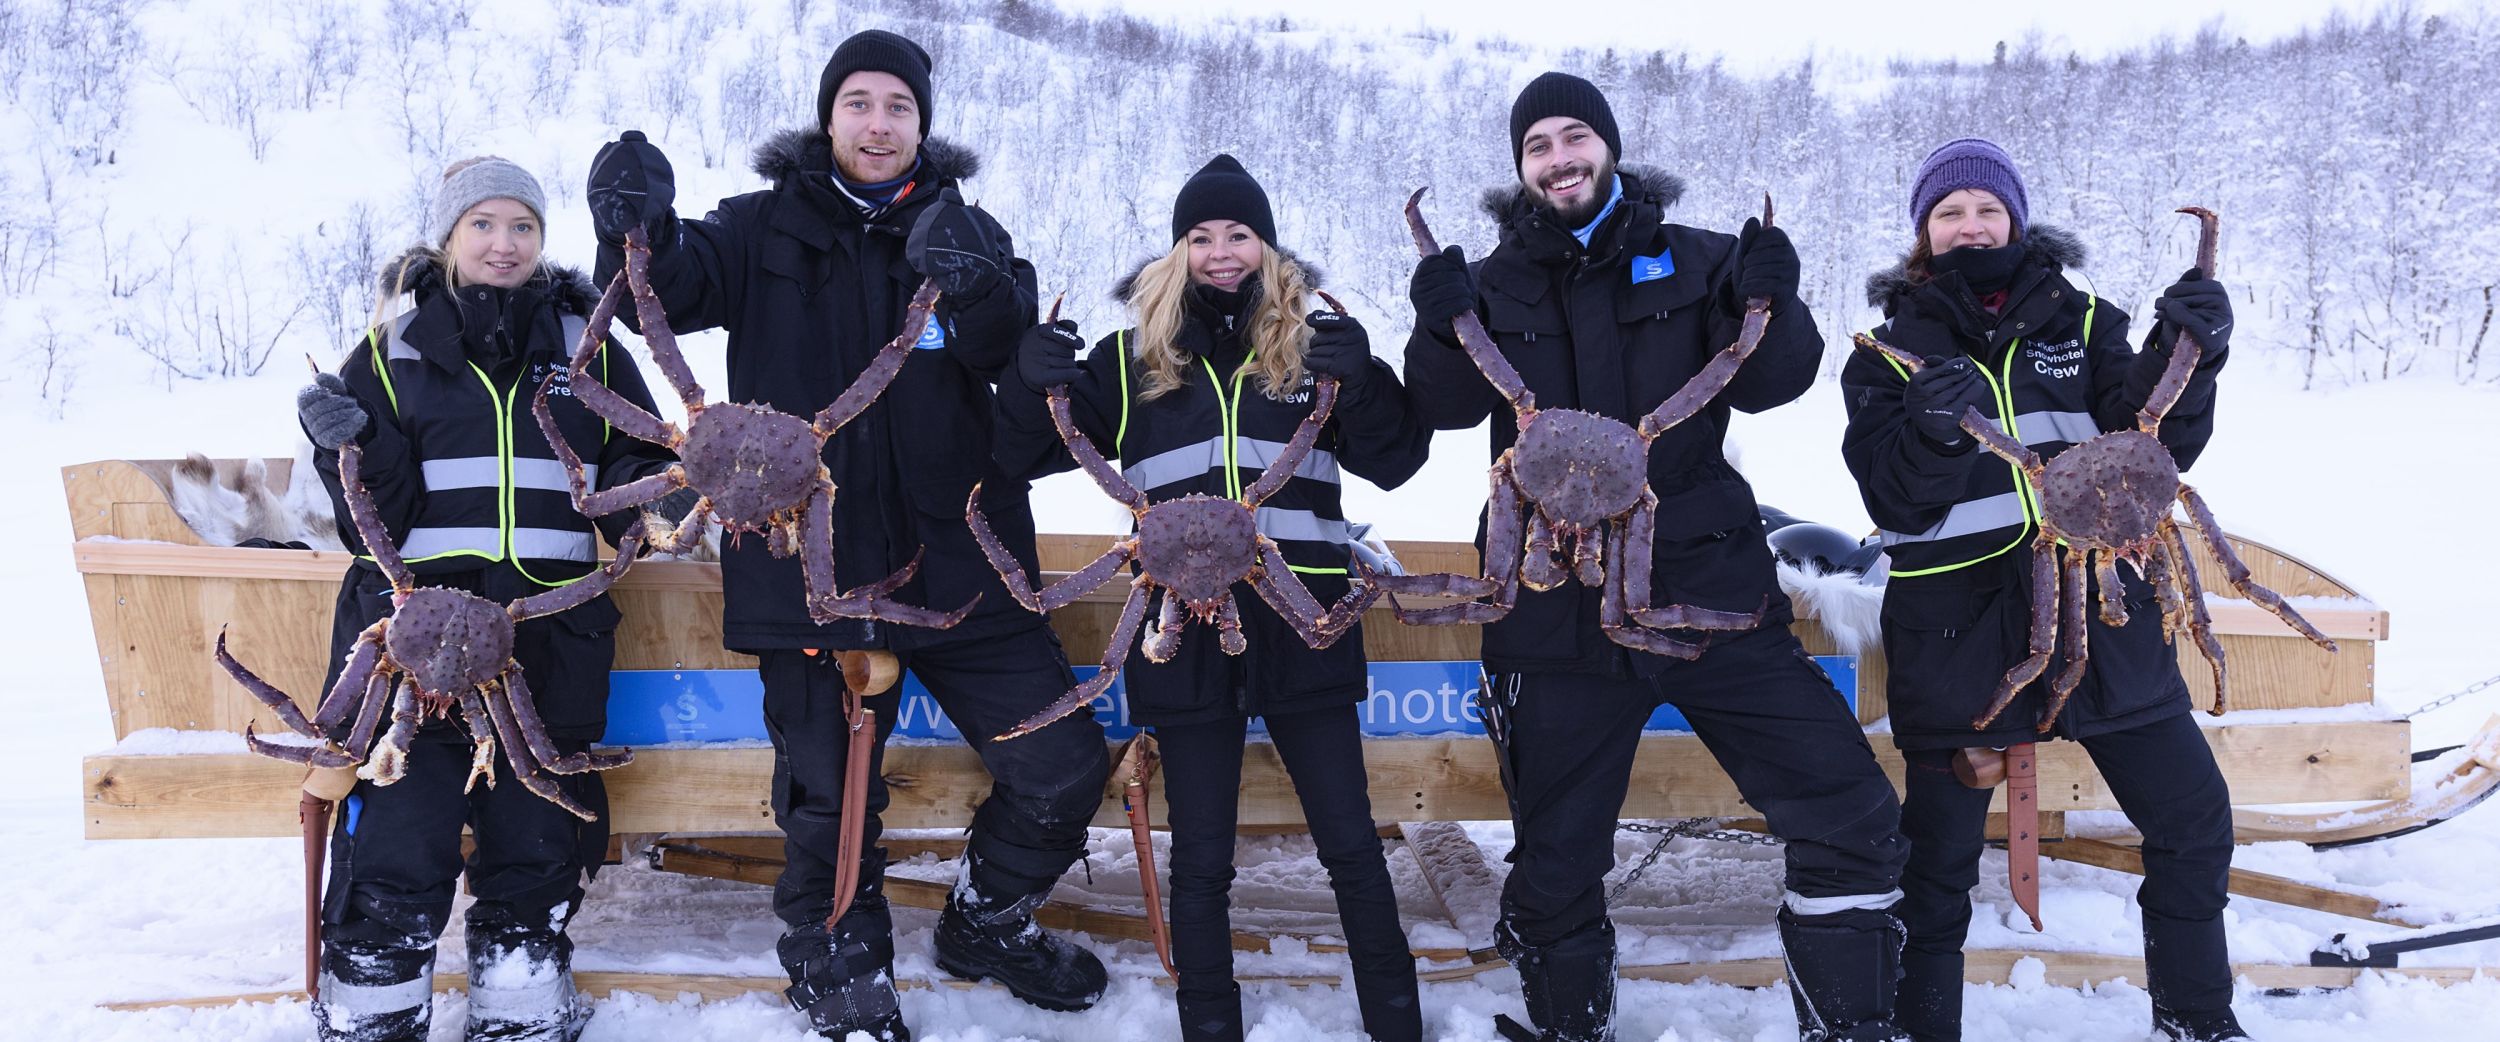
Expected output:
{"points": [[810, 278], [1604, 307]]}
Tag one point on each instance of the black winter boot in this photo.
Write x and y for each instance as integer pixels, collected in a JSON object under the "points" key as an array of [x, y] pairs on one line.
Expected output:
{"points": [[1844, 969], [995, 937], [2217, 1026], [377, 987], [1569, 985], [844, 980], [521, 975], [1210, 1017]]}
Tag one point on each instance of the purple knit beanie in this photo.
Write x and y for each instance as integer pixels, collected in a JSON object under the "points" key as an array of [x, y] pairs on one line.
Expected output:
{"points": [[1969, 163]]}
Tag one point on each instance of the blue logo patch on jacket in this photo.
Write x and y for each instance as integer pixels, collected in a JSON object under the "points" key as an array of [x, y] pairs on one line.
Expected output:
{"points": [[1651, 269], [932, 336]]}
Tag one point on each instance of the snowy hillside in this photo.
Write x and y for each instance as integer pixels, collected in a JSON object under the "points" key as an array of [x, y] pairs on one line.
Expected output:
{"points": [[197, 193]]}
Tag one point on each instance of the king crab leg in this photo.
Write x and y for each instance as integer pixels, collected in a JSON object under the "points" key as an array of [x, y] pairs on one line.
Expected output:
{"points": [[1714, 376], [2236, 571], [1538, 566], [1470, 330], [1620, 629], [1228, 627], [1020, 586], [1502, 552], [2200, 623], [481, 739], [2113, 589], [1114, 657], [653, 318], [881, 370], [389, 760], [826, 602], [2074, 635], [533, 732], [525, 765], [1634, 563], [1164, 640], [2183, 354], [2043, 633], [585, 589], [377, 539], [1284, 591]]}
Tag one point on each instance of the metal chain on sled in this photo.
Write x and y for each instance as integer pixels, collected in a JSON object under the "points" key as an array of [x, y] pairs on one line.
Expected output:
{"points": [[1685, 828], [2442, 700]]}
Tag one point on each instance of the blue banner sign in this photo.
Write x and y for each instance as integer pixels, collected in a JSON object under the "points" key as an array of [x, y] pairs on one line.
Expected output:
{"points": [[652, 706]]}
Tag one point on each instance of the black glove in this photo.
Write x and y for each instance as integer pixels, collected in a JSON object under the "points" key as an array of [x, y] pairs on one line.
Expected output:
{"points": [[1937, 397], [631, 186], [1442, 289], [1046, 358], [2199, 305], [960, 246], [1766, 263], [331, 414], [1339, 347]]}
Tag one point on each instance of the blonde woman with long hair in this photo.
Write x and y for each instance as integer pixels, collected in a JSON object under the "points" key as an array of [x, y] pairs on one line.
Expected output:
{"points": [[1208, 383], [470, 322]]}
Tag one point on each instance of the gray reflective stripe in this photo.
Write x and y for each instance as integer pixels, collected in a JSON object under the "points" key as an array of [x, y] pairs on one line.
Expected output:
{"points": [[1280, 523], [2041, 428], [373, 1000], [427, 542], [554, 544], [1181, 464], [399, 348], [1803, 905], [548, 475], [1189, 461], [1320, 465], [2004, 510], [463, 472]]}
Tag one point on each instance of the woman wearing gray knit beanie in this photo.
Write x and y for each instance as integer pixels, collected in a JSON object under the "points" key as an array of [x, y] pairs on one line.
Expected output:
{"points": [[437, 399], [1984, 298]]}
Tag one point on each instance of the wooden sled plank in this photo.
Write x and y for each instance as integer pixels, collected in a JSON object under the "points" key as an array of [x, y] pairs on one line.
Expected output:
{"points": [[1996, 966], [2245, 883], [689, 858], [2472, 775], [1454, 867]]}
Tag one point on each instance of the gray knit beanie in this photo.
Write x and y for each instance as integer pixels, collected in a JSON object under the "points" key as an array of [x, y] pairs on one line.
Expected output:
{"points": [[1969, 163], [475, 180]]}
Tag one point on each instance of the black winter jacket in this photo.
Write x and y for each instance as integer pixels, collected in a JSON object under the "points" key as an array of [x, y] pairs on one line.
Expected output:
{"points": [[447, 386], [809, 289], [1605, 329], [1177, 445], [1957, 608]]}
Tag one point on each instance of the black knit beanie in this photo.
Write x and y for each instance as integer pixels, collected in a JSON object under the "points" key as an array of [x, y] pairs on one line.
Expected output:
{"points": [[875, 50], [1223, 191], [1562, 94]]}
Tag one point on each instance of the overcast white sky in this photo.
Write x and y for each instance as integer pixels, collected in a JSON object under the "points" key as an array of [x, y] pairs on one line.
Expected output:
{"points": [[1755, 34]]}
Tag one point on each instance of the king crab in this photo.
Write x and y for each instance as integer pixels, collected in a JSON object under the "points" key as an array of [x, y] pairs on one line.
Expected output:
{"points": [[759, 470], [1582, 479], [445, 648], [2108, 499], [1193, 548]]}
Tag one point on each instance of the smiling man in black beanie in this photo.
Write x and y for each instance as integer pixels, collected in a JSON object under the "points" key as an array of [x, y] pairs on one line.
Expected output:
{"points": [[1603, 306], [810, 278]]}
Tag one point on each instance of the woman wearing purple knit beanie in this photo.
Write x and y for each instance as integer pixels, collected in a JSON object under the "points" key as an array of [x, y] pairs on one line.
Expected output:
{"points": [[1983, 297]]}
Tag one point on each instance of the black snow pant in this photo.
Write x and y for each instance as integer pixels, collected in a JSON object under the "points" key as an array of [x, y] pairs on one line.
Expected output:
{"points": [[2164, 777], [394, 863], [1765, 711], [1045, 786], [1322, 750]]}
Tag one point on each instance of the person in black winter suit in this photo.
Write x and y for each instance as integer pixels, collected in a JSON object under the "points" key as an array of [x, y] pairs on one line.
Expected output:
{"points": [[1984, 297], [1210, 383], [466, 485], [811, 277], [1603, 306]]}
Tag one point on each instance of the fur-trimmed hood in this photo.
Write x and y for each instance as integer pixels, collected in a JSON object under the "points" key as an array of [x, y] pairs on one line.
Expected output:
{"points": [[805, 150], [1641, 183], [415, 272], [2043, 244], [1127, 286]]}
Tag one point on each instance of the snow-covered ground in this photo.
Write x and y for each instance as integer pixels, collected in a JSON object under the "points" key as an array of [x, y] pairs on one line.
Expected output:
{"points": [[2377, 486]]}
